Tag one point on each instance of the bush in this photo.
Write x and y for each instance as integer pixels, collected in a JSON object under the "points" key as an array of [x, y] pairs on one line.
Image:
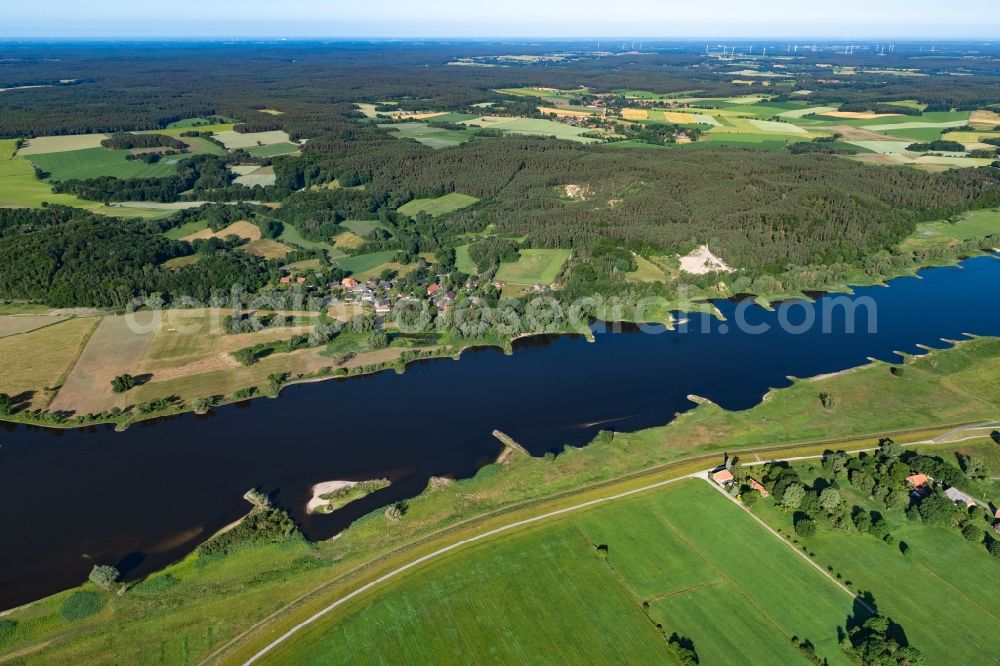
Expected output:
{"points": [[972, 533], [103, 575], [6, 404], [805, 526], [7, 628], [122, 383], [80, 605]]}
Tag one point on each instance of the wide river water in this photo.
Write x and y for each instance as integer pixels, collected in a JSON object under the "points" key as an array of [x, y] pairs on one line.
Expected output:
{"points": [[145, 497]]}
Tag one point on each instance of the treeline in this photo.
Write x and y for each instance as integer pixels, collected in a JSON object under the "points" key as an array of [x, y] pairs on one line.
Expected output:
{"points": [[128, 141]]}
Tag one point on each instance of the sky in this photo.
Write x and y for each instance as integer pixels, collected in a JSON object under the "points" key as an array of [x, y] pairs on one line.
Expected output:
{"points": [[839, 19]]}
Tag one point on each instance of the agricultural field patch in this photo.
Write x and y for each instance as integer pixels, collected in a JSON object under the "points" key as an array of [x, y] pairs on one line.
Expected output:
{"points": [[59, 144], [39, 360], [564, 112], [807, 111], [347, 240], [20, 188], [973, 224], [25, 323], [199, 123], [985, 117], [538, 592], [266, 248], [533, 126], [635, 114], [263, 176], [915, 125], [233, 140], [774, 127], [443, 205], [97, 162], [435, 137], [242, 228], [181, 262], [535, 266], [364, 263], [646, 271], [274, 149], [213, 129]]}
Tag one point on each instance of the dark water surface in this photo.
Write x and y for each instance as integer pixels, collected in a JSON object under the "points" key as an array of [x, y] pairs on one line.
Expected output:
{"points": [[145, 497]]}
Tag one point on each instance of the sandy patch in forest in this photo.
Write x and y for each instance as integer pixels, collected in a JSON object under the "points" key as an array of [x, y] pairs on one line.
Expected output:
{"points": [[701, 261], [578, 192]]}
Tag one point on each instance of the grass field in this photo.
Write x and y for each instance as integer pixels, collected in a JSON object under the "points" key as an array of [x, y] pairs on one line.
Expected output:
{"points": [[546, 592], [97, 162], [646, 271], [434, 137], [534, 126], [19, 187], [292, 235], [24, 323], [197, 123], [448, 203], [274, 149], [364, 263], [943, 596], [974, 224], [534, 267], [242, 228], [41, 359], [463, 261]]}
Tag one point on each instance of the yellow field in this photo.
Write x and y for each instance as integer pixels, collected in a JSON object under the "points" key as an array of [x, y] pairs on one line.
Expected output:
{"points": [[41, 359], [635, 114], [677, 117], [984, 117], [348, 240], [565, 113], [24, 323], [243, 229]]}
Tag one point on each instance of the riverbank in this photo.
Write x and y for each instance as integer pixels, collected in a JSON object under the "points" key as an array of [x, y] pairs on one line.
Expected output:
{"points": [[947, 387]]}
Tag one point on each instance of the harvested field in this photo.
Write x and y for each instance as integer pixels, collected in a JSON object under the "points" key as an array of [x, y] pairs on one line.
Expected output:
{"points": [[267, 248], [274, 149], [16, 324], [984, 117], [263, 176], [243, 229], [41, 359], [59, 144], [347, 240], [113, 349], [565, 113], [232, 140], [849, 133]]}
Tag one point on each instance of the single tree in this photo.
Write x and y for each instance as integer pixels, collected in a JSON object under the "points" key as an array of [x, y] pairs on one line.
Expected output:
{"points": [[793, 496], [829, 499], [104, 576]]}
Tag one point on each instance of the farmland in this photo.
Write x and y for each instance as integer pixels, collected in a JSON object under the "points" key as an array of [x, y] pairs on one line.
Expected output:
{"points": [[662, 549], [97, 162], [532, 126], [443, 205], [364, 264], [434, 137], [534, 267]]}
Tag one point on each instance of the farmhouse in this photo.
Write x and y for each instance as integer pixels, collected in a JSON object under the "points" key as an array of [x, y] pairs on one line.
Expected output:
{"points": [[758, 486], [723, 477], [350, 283], [958, 497], [918, 481]]}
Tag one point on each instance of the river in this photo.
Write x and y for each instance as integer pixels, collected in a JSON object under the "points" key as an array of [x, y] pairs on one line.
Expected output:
{"points": [[145, 497]]}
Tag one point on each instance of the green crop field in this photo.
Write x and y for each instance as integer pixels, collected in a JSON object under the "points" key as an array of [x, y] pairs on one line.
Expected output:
{"points": [[463, 261], [362, 263], [944, 594], [534, 267], [440, 206], [199, 123], [291, 234], [707, 571], [273, 150], [19, 187], [97, 162], [533, 126], [434, 137]]}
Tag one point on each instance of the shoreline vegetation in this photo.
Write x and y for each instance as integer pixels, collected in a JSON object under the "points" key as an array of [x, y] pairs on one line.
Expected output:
{"points": [[940, 390], [166, 406]]}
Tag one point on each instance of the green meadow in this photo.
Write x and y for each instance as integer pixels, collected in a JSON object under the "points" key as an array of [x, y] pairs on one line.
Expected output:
{"points": [[291, 234], [448, 203], [463, 261], [362, 263], [364, 227], [434, 137], [534, 267], [19, 187], [97, 162], [685, 557]]}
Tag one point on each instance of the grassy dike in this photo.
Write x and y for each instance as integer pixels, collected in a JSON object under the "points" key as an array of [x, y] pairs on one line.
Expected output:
{"points": [[226, 608]]}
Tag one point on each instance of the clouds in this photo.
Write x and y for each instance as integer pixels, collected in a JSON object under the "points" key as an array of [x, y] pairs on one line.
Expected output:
{"points": [[520, 18]]}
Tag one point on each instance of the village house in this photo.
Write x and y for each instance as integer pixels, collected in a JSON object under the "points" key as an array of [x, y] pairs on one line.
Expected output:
{"points": [[723, 477], [300, 280], [350, 283], [499, 284], [383, 306], [758, 486], [285, 280], [958, 497], [433, 289]]}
